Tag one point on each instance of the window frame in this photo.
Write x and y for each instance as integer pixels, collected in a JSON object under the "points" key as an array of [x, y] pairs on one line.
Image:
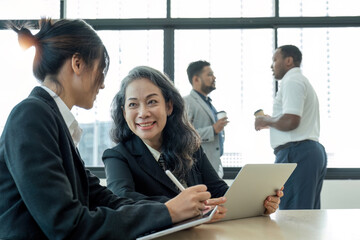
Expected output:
{"points": [[169, 25]]}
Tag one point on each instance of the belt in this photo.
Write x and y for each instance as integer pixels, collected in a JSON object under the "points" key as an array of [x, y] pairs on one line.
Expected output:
{"points": [[286, 145]]}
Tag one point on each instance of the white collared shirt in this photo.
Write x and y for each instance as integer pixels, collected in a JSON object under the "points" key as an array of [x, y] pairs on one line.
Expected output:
{"points": [[156, 154], [71, 123], [296, 96]]}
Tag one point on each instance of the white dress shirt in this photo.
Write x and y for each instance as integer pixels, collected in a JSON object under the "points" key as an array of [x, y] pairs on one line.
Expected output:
{"points": [[296, 96], [71, 123], [154, 152]]}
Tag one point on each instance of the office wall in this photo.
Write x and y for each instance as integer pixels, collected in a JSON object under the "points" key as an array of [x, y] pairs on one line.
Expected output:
{"points": [[340, 194]]}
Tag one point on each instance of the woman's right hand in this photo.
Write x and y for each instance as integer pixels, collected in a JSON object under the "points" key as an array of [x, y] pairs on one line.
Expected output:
{"points": [[189, 203], [221, 210]]}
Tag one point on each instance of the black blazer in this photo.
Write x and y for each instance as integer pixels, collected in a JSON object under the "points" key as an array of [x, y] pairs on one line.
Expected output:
{"points": [[132, 171], [45, 190]]}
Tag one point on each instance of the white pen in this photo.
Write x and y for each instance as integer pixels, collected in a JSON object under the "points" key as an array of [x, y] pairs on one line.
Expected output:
{"points": [[173, 178]]}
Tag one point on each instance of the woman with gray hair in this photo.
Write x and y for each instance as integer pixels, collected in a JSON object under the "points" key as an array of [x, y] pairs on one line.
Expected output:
{"points": [[152, 135]]}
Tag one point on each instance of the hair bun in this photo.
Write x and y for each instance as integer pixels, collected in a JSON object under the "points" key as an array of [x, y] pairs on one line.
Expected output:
{"points": [[25, 38]]}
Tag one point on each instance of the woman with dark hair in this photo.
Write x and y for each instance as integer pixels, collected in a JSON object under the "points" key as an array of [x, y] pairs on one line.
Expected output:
{"points": [[46, 192], [153, 134]]}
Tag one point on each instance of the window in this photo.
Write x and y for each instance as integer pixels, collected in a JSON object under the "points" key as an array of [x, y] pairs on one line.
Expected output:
{"points": [[241, 62], [16, 69], [116, 9], [310, 8], [218, 8], [15, 64], [25, 9]]}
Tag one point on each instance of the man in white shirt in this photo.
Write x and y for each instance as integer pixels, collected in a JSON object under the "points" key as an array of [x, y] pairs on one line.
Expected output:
{"points": [[294, 131]]}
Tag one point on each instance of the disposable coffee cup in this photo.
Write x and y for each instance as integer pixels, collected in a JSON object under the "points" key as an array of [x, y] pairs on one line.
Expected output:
{"points": [[259, 113], [221, 114]]}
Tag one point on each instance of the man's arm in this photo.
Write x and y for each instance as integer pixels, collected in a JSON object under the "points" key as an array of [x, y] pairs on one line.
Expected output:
{"points": [[285, 122]]}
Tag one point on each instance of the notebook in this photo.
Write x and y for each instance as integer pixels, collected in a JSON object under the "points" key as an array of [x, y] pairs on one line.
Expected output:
{"points": [[182, 225], [254, 182]]}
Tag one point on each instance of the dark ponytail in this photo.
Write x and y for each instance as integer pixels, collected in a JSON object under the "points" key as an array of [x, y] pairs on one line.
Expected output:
{"points": [[25, 37], [58, 41]]}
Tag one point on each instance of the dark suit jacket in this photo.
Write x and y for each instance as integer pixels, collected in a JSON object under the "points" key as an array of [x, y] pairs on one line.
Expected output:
{"points": [[45, 191], [132, 171]]}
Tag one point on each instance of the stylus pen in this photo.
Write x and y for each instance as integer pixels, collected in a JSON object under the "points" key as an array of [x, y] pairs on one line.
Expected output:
{"points": [[173, 178]]}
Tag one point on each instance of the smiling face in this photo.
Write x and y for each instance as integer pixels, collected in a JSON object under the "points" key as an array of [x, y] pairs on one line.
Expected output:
{"points": [[145, 111]]}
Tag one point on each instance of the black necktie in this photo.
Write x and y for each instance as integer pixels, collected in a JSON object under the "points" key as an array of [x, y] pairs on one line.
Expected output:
{"points": [[162, 162]]}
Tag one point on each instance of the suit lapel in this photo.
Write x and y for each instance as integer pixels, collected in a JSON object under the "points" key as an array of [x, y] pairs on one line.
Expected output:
{"points": [[202, 104], [40, 93], [148, 163]]}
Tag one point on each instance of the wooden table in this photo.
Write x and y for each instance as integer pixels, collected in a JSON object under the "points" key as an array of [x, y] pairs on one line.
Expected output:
{"points": [[339, 224]]}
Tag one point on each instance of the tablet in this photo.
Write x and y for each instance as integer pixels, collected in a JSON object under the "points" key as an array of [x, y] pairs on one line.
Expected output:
{"points": [[246, 195], [192, 222]]}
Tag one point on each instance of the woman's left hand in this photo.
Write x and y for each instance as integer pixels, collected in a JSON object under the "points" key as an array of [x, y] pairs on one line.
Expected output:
{"points": [[271, 203], [221, 210]]}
